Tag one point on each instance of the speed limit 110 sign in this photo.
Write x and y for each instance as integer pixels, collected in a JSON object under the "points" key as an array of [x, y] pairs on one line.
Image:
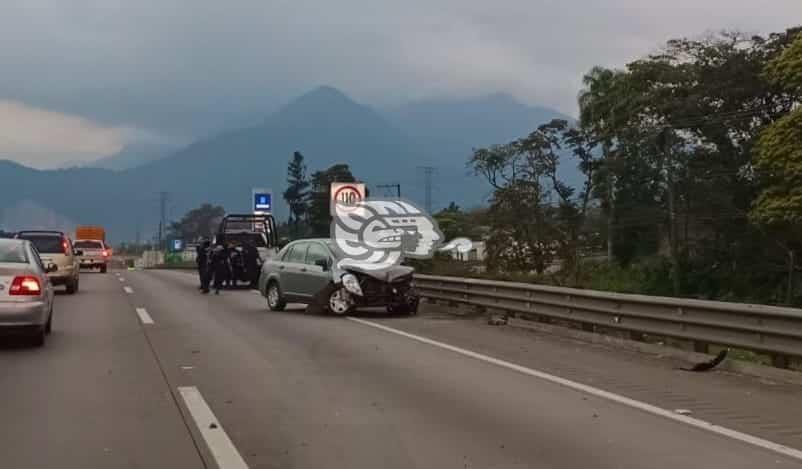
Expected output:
{"points": [[346, 195]]}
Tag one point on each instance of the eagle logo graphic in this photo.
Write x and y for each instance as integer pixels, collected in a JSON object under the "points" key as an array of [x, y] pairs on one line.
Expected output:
{"points": [[376, 234]]}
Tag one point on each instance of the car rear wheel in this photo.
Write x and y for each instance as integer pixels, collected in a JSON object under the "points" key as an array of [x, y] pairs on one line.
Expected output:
{"points": [[38, 338], [340, 302], [72, 286], [274, 299]]}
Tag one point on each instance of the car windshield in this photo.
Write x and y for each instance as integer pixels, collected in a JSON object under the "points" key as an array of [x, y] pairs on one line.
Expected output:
{"points": [[45, 244], [13, 253], [88, 245]]}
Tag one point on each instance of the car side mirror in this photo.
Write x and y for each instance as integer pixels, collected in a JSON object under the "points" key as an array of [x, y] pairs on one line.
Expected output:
{"points": [[78, 252], [51, 268], [323, 264]]}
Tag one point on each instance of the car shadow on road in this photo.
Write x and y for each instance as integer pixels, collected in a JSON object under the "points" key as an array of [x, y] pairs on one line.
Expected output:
{"points": [[15, 342]]}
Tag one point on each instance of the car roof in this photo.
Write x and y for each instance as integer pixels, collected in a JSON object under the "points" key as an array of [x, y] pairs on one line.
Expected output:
{"points": [[320, 240], [14, 241], [44, 232]]}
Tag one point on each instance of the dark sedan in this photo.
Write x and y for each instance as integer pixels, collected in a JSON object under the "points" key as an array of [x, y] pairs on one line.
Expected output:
{"points": [[307, 271]]}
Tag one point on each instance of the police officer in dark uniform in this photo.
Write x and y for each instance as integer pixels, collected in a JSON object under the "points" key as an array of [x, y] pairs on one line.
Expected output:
{"points": [[219, 266], [251, 261], [202, 259]]}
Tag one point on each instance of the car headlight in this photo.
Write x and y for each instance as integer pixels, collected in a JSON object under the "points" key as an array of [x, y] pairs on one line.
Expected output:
{"points": [[351, 284]]}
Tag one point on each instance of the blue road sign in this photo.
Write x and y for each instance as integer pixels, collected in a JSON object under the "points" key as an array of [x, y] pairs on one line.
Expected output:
{"points": [[178, 245], [262, 202]]}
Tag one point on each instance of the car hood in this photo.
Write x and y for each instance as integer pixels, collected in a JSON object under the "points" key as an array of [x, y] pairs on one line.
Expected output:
{"points": [[385, 275]]}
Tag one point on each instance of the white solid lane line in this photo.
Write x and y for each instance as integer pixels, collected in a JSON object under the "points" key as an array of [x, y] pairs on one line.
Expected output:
{"points": [[144, 316], [128, 290], [223, 451], [654, 410]]}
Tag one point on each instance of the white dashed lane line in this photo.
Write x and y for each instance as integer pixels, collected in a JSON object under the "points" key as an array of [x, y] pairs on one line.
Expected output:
{"points": [[144, 316], [128, 290], [223, 451]]}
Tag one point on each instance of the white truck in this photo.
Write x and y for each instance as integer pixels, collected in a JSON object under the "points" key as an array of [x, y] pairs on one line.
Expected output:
{"points": [[90, 244]]}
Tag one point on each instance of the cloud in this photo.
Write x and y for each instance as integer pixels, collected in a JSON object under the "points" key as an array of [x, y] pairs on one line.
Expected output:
{"points": [[44, 139], [188, 67]]}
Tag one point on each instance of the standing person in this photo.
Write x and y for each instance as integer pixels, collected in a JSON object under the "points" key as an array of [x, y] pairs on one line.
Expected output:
{"points": [[251, 262], [219, 267], [202, 259]]}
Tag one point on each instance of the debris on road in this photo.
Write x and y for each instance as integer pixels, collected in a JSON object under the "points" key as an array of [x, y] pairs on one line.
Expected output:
{"points": [[497, 320], [212, 425], [708, 365], [683, 411]]}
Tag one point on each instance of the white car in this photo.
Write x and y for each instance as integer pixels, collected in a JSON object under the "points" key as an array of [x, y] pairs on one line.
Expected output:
{"points": [[92, 254], [26, 292], [56, 248]]}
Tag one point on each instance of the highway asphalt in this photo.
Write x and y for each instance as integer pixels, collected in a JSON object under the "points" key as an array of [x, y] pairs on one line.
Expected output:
{"points": [[142, 371]]}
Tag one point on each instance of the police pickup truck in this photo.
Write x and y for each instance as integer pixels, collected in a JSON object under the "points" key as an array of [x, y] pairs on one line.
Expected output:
{"points": [[250, 240]]}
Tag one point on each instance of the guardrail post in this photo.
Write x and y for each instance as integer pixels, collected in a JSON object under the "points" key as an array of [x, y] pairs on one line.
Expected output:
{"points": [[780, 361], [587, 327]]}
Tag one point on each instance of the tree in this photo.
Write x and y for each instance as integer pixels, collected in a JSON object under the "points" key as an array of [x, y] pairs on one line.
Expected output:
{"points": [[602, 107], [778, 160], [297, 193], [197, 223], [534, 216], [456, 223], [319, 198]]}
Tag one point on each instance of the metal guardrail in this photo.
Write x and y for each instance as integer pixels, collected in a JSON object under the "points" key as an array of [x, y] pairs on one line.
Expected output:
{"points": [[771, 330]]}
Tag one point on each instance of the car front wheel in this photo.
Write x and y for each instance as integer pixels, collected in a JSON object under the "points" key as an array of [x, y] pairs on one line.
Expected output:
{"points": [[274, 299], [340, 302]]}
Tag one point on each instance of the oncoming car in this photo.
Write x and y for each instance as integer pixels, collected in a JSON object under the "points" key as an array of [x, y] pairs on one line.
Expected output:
{"points": [[26, 293], [307, 271]]}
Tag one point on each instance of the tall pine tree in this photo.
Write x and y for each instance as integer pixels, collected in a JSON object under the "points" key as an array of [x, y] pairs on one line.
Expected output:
{"points": [[297, 193]]}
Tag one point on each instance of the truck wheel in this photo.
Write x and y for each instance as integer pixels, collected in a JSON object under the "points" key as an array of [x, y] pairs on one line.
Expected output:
{"points": [[103, 269], [72, 286], [274, 299]]}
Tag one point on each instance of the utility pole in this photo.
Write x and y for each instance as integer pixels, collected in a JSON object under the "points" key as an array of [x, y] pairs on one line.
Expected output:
{"points": [[390, 186], [428, 171], [162, 217]]}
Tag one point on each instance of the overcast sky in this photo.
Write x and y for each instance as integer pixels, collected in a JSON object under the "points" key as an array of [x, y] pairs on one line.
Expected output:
{"points": [[79, 78]]}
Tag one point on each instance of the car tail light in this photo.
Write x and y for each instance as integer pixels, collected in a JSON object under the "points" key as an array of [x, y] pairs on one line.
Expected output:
{"points": [[64, 245], [25, 286], [105, 253]]}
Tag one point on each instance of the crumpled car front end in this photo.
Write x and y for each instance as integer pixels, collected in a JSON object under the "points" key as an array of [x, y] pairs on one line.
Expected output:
{"points": [[391, 288]]}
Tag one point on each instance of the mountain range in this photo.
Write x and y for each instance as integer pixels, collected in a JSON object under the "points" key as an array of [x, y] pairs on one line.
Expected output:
{"points": [[382, 147]]}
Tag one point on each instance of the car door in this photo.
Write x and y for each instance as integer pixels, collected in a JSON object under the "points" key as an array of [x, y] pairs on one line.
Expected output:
{"points": [[290, 275], [315, 277]]}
